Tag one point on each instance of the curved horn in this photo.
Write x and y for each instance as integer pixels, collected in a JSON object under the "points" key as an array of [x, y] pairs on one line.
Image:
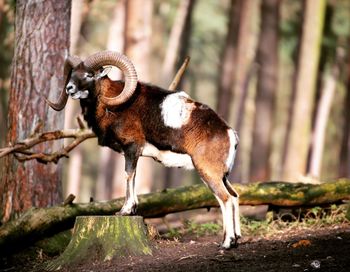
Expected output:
{"points": [[70, 63], [96, 61]]}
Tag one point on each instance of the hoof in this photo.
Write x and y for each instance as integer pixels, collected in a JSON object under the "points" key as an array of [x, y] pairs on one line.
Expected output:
{"points": [[127, 211], [231, 243]]}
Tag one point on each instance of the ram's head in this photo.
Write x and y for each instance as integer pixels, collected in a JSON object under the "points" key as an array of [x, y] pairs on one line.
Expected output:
{"points": [[80, 76]]}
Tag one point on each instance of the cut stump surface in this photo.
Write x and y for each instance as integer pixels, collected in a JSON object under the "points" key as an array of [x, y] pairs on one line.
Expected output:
{"points": [[102, 238]]}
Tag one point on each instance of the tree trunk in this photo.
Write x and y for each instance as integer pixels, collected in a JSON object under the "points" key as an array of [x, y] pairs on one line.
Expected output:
{"points": [[138, 49], [116, 34], [38, 223], [292, 95], [266, 91], [2, 91], [74, 168], [300, 134], [3, 121], [175, 43], [228, 61], [344, 167], [6, 54], [101, 238], [42, 42], [182, 30], [104, 183], [110, 174], [246, 47], [245, 70], [323, 110]]}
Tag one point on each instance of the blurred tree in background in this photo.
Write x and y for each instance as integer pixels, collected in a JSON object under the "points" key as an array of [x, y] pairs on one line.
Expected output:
{"points": [[267, 54], [6, 53], [306, 79], [271, 68]]}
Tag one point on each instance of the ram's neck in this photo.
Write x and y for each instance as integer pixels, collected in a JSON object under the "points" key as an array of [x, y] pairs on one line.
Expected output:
{"points": [[108, 87]]}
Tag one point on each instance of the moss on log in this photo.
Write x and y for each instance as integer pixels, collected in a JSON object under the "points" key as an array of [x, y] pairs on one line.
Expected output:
{"points": [[38, 223], [101, 238]]}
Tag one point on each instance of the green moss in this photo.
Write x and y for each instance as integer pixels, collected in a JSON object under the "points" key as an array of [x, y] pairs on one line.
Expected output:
{"points": [[55, 244], [348, 212], [103, 238]]}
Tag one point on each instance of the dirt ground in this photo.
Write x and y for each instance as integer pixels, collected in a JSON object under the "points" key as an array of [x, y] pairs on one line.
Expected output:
{"points": [[325, 249]]}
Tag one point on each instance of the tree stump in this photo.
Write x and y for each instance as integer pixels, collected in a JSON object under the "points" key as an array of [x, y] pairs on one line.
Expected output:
{"points": [[101, 238]]}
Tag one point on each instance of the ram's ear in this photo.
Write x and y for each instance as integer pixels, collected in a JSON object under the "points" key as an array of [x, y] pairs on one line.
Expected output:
{"points": [[103, 72]]}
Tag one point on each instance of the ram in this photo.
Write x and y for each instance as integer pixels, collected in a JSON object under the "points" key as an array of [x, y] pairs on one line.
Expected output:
{"points": [[139, 119]]}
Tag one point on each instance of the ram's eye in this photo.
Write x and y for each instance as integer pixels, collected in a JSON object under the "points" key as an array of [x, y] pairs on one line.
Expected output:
{"points": [[88, 76]]}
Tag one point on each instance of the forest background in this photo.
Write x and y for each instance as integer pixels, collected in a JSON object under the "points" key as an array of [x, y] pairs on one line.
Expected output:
{"points": [[277, 70]]}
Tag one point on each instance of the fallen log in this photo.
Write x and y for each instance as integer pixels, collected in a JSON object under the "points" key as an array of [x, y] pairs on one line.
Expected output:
{"points": [[38, 223]]}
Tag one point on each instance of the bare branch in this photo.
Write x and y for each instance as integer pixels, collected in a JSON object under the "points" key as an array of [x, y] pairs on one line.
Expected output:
{"points": [[179, 74], [21, 149], [81, 123]]}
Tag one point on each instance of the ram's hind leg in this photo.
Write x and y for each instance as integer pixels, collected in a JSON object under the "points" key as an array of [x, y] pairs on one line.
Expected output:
{"points": [[213, 177], [235, 202], [226, 204]]}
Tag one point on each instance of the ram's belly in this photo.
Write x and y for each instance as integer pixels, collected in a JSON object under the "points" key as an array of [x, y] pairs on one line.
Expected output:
{"points": [[167, 158]]}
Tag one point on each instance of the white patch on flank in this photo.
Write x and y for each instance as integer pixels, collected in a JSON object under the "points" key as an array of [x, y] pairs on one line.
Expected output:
{"points": [[176, 109], [233, 137], [168, 158]]}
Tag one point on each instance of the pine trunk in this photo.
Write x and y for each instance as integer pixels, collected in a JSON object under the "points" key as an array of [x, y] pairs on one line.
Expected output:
{"points": [[138, 33], [42, 42], [344, 167], [323, 111], [266, 92], [174, 176], [300, 133], [245, 70], [228, 61], [175, 43]]}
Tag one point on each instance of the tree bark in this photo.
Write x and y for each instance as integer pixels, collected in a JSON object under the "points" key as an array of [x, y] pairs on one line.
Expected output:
{"points": [[175, 40], [38, 223], [344, 165], [2, 91], [138, 33], [6, 54], [246, 48], [245, 70], [42, 42], [322, 114], [228, 61], [300, 133], [79, 12], [3, 121], [110, 171], [101, 238], [177, 51], [267, 58]]}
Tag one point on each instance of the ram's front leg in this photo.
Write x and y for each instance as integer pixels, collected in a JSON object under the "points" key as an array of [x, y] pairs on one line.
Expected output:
{"points": [[132, 153]]}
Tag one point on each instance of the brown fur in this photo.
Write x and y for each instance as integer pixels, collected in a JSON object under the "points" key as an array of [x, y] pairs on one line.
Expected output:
{"points": [[127, 127]]}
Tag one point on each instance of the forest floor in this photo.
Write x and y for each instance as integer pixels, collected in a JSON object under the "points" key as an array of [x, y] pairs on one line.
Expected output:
{"points": [[272, 246]]}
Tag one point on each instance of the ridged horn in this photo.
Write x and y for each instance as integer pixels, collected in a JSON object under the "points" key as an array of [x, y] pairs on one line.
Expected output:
{"points": [[70, 63], [97, 60]]}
